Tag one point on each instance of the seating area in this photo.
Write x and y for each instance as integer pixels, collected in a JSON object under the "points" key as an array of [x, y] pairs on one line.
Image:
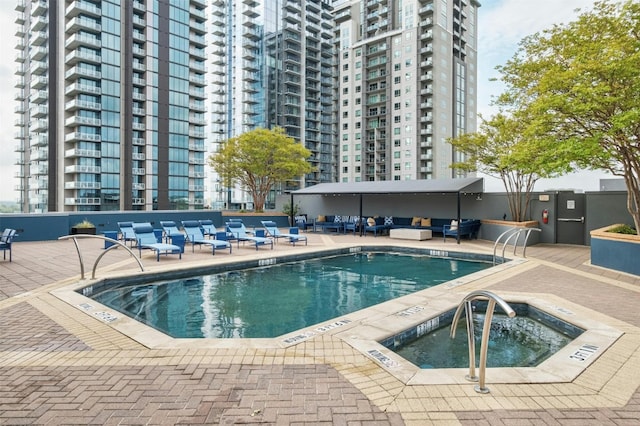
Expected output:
{"points": [[272, 231], [147, 239], [239, 233]]}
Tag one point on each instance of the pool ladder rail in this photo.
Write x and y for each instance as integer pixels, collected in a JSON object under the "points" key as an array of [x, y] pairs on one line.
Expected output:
{"points": [[466, 303], [509, 234]]}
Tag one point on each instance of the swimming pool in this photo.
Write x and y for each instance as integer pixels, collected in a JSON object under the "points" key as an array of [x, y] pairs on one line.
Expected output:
{"points": [[277, 298]]}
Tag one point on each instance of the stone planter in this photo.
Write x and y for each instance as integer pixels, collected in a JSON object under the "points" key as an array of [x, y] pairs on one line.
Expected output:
{"points": [[615, 251], [492, 229]]}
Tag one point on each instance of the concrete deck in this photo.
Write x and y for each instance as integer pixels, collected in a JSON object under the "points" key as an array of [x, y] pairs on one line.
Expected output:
{"points": [[60, 365]]}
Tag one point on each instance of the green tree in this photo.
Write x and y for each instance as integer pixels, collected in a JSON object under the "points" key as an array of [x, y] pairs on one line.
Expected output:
{"points": [[503, 147], [581, 84], [258, 160]]}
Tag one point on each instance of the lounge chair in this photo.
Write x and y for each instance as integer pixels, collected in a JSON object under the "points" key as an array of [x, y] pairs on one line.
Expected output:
{"points": [[239, 232], [208, 228], [5, 242], [126, 229], [273, 231], [147, 239], [170, 229], [195, 235]]}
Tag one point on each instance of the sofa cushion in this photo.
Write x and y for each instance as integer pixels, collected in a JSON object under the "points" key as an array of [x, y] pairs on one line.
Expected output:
{"points": [[425, 222], [371, 221], [416, 221], [454, 225], [321, 218]]}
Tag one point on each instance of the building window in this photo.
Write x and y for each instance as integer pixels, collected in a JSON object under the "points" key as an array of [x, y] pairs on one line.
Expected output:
{"points": [[345, 147], [396, 143], [345, 79], [396, 106], [345, 169], [396, 67], [396, 130], [345, 158], [345, 91], [396, 93], [345, 67], [396, 167], [396, 80], [345, 55], [345, 136], [396, 118]]}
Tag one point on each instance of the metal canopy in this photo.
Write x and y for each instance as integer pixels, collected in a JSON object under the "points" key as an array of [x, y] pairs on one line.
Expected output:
{"points": [[433, 186]]}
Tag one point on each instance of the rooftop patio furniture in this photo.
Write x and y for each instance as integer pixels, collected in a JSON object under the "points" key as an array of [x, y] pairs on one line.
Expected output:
{"points": [[147, 239], [239, 232], [6, 242], [195, 236], [126, 230], [273, 231]]}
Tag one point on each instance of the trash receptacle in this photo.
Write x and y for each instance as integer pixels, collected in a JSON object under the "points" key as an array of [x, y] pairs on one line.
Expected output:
{"points": [[110, 234]]}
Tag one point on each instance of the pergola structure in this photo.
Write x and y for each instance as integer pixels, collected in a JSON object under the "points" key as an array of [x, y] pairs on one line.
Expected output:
{"points": [[459, 187]]}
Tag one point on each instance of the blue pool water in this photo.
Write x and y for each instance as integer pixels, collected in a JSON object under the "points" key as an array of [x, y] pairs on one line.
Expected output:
{"points": [[274, 300]]}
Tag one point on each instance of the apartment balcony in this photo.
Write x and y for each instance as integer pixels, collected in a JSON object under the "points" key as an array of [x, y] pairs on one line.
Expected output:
{"points": [[39, 125], [197, 40], [426, 50], [39, 23], [77, 168], [38, 67], [38, 169], [79, 56], [138, 186], [139, 36], [77, 72], [198, 80], [78, 120], [38, 199], [198, 120], [196, 175], [83, 8], [137, 201], [39, 111], [428, 22], [82, 201], [82, 185], [427, 105], [139, 21], [139, 6], [79, 39], [137, 171], [198, 161], [79, 23], [138, 141], [38, 53], [39, 140], [196, 92], [138, 96], [427, 118], [197, 66], [427, 35], [198, 53], [138, 126], [39, 38], [428, 76], [196, 133], [138, 156], [138, 81], [138, 51], [82, 136], [76, 152], [39, 154], [75, 104]]}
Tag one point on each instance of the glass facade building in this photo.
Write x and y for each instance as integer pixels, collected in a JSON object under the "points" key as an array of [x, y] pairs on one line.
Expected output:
{"points": [[406, 83], [111, 104], [272, 65]]}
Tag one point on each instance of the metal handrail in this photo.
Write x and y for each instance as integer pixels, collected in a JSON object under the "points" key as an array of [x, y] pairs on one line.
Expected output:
{"points": [[466, 302], [115, 245], [510, 233]]}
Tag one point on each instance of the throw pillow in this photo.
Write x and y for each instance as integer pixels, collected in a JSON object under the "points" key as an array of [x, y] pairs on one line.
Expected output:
{"points": [[388, 220], [337, 219], [371, 221], [416, 221], [425, 221], [321, 218], [454, 225]]}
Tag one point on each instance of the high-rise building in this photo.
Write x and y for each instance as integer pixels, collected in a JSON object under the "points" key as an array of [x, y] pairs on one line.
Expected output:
{"points": [[406, 83], [272, 65], [111, 104]]}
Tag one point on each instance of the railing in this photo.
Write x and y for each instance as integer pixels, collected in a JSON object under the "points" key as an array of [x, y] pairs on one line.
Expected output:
{"points": [[115, 243], [466, 302], [510, 233]]}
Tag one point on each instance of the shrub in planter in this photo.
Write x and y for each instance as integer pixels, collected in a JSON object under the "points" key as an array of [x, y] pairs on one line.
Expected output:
{"points": [[84, 227]]}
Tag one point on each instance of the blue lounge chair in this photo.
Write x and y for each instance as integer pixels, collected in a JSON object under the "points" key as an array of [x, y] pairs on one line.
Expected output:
{"points": [[208, 228], [126, 229], [239, 232], [5, 242], [273, 231], [147, 239], [170, 229], [195, 235]]}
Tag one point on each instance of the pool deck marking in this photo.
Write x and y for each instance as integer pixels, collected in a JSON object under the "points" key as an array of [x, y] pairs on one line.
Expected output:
{"points": [[610, 381]]}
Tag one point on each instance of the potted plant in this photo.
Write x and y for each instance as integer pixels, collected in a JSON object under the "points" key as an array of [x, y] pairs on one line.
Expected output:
{"points": [[84, 227]]}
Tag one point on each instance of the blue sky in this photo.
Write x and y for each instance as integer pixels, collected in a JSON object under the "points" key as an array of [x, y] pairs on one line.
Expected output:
{"points": [[502, 24]]}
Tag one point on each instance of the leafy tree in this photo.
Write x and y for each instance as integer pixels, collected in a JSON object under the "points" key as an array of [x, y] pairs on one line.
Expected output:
{"points": [[581, 86], [259, 159], [503, 147]]}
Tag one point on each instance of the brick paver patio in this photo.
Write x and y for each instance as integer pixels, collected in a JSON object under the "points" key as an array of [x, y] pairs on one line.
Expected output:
{"points": [[59, 365]]}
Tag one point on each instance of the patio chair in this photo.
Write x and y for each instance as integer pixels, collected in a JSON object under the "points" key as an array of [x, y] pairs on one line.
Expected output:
{"points": [[126, 229], [273, 231], [147, 239], [195, 235], [239, 232], [208, 228], [170, 229], [5, 242]]}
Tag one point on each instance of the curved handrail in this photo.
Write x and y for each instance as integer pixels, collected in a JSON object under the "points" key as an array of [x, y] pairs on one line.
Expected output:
{"points": [[510, 233], [466, 302], [115, 243]]}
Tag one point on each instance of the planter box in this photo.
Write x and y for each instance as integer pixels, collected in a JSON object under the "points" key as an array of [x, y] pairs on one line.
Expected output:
{"points": [[615, 251], [89, 231], [492, 229]]}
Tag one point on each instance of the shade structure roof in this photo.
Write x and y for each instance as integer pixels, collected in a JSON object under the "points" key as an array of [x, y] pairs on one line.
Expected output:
{"points": [[431, 186]]}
